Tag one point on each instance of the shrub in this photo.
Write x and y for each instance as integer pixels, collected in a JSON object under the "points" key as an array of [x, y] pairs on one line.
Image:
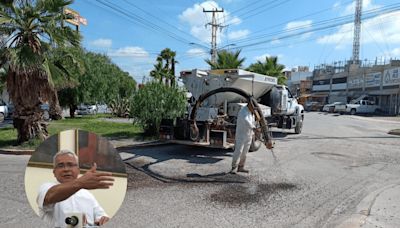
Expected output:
{"points": [[154, 102], [120, 107]]}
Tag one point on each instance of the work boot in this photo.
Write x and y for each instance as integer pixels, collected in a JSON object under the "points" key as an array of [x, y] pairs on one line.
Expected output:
{"points": [[233, 170], [242, 169]]}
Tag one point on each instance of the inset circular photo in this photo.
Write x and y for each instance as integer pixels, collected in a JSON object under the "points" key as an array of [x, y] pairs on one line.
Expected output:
{"points": [[75, 179]]}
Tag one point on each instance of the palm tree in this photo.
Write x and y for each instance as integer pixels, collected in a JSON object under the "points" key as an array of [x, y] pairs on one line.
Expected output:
{"points": [[159, 72], [169, 56], [32, 29], [226, 60], [269, 67]]}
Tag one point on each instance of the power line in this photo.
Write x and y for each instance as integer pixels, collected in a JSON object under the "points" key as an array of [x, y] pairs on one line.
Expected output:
{"points": [[161, 20], [337, 22], [143, 22]]}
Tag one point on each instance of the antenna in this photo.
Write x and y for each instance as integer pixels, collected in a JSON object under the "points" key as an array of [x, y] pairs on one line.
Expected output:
{"points": [[357, 32]]}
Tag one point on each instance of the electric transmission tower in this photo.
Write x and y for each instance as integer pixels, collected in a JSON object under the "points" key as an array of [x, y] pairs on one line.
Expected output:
{"points": [[357, 32], [214, 28]]}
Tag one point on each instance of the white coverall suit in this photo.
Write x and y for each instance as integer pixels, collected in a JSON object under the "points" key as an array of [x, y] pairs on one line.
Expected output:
{"points": [[244, 134]]}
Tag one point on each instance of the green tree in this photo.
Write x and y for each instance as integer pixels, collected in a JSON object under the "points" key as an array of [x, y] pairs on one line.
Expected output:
{"points": [[164, 69], [226, 60], [159, 72], [32, 29], [156, 101], [269, 67], [68, 78], [66, 68], [101, 82]]}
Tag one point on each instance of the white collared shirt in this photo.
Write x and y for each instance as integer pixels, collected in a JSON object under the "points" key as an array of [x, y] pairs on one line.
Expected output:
{"points": [[80, 202]]}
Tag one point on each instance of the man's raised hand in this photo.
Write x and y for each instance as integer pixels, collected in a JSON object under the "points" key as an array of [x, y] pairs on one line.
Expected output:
{"points": [[95, 180]]}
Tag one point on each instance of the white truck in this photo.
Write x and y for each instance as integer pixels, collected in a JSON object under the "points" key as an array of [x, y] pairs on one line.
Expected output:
{"points": [[362, 106], [218, 95]]}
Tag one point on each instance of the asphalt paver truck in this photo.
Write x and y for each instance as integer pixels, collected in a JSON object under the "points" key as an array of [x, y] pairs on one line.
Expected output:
{"points": [[216, 96]]}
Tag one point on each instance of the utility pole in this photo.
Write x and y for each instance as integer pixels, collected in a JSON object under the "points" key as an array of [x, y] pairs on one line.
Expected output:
{"points": [[213, 32], [357, 32]]}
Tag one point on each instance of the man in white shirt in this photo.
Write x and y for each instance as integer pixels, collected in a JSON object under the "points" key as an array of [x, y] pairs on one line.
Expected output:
{"points": [[243, 136], [70, 194]]}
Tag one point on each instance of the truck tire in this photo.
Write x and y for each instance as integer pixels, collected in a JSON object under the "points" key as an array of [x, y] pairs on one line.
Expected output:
{"points": [[353, 111], [255, 145], [299, 126]]}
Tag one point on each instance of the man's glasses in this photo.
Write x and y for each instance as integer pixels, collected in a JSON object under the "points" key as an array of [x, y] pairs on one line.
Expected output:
{"points": [[68, 165]]}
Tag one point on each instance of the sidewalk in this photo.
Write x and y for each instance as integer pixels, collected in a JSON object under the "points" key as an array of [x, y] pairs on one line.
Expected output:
{"points": [[379, 209]]}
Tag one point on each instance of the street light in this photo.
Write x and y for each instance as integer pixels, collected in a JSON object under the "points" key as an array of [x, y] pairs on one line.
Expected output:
{"points": [[225, 46]]}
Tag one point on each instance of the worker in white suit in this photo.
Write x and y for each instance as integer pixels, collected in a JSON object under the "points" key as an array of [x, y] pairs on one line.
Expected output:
{"points": [[244, 134]]}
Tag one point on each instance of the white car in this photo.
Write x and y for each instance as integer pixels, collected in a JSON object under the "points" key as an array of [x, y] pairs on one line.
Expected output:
{"points": [[331, 107], [3, 112], [86, 109]]}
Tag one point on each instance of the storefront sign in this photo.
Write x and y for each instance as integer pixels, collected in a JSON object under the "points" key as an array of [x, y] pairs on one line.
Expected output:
{"points": [[355, 82], [373, 79], [391, 77]]}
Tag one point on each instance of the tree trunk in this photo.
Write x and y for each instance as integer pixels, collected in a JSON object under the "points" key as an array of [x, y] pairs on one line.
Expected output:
{"points": [[72, 109], [55, 110], [28, 90], [173, 72]]}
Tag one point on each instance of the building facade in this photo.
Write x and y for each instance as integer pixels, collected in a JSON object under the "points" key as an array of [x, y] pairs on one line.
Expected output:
{"points": [[379, 82]]}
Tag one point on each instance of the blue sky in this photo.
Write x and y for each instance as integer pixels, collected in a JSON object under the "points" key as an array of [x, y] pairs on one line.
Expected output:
{"points": [[299, 32]]}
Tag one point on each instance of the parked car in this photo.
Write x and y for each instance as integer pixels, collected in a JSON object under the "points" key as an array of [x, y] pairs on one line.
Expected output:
{"points": [[313, 106], [86, 109], [46, 109], [331, 107], [3, 111], [340, 108]]}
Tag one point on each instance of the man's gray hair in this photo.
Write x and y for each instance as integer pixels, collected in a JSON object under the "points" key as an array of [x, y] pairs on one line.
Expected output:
{"points": [[62, 152]]}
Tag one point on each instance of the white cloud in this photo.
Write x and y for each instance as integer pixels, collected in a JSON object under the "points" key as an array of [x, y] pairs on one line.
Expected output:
{"points": [[196, 52], [366, 5], [197, 19], [102, 43], [298, 25], [262, 57], [382, 29], [337, 5], [137, 52], [239, 34], [395, 53], [275, 41]]}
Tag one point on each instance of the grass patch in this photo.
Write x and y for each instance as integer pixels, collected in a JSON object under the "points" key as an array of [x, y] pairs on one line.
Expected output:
{"points": [[91, 123]]}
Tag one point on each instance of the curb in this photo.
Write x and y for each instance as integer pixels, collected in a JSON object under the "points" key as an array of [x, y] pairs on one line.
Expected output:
{"points": [[146, 144], [6, 151], [16, 151], [363, 209]]}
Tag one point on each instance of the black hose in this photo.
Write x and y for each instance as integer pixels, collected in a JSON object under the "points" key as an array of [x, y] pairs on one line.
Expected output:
{"points": [[254, 108]]}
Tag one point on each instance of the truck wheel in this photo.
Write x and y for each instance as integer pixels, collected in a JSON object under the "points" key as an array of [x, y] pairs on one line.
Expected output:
{"points": [[352, 111], [299, 126], [255, 145]]}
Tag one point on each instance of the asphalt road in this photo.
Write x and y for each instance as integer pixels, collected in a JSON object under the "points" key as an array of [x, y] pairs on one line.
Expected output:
{"points": [[319, 179]]}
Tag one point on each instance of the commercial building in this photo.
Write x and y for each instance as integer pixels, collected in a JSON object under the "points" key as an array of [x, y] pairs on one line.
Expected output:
{"points": [[380, 82]]}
